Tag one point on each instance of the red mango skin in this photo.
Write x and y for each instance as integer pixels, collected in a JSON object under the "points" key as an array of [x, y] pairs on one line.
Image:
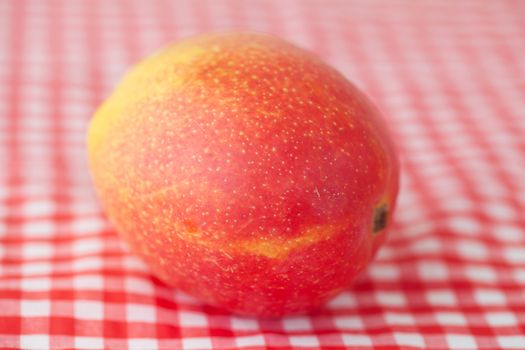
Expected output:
{"points": [[245, 172]]}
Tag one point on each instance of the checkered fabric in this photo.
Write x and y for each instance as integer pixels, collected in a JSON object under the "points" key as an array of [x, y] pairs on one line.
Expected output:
{"points": [[450, 77]]}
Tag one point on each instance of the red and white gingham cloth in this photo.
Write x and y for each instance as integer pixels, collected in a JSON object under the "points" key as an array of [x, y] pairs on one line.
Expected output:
{"points": [[450, 77]]}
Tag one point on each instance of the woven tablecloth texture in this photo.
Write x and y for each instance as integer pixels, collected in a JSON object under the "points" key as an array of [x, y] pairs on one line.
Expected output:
{"points": [[450, 78]]}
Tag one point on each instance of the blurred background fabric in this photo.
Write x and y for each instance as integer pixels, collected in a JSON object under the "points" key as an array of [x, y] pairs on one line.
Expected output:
{"points": [[450, 78]]}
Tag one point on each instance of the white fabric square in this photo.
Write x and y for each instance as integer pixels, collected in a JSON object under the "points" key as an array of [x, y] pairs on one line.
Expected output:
{"points": [[511, 341], [87, 263], [390, 298], [85, 225], [244, 324], [35, 308], [87, 246], [88, 282], [471, 249], [489, 297], [348, 322], [433, 271], [450, 318], [384, 272], [500, 211], [397, 318], [36, 284], [519, 275], [196, 343], [356, 340], [192, 319], [38, 207], [464, 225], [142, 344], [297, 324], [482, 274], [35, 268], [441, 298], [38, 228], [139, 285], [34, 341], [461, 341], [37, 250], [427, 246], [514, 255], [501, 319], [343, 300], [89, 310], [304, 340], [409, 339], [249, 341], [140, 313], [508, 232], [89, 343]]}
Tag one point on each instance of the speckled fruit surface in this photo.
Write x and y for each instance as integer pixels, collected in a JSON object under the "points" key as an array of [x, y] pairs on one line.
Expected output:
{"points": [[245, 171]]}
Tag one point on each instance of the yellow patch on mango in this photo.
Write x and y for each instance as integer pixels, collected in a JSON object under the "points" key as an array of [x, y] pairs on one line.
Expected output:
{"points": [[157, 76], [269, 247], [277, 248]]}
